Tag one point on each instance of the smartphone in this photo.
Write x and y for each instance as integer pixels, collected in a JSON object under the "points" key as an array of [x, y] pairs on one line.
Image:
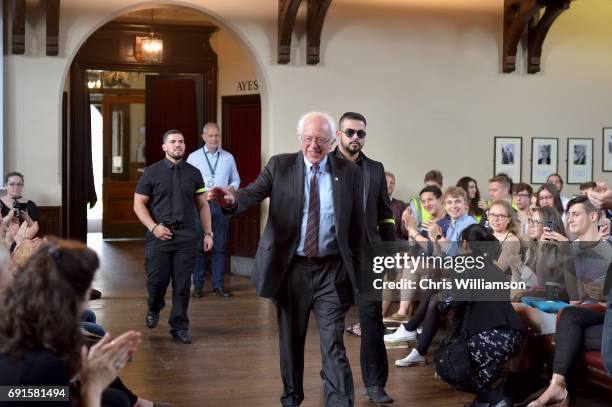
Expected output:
{"points": [[550, 226]]}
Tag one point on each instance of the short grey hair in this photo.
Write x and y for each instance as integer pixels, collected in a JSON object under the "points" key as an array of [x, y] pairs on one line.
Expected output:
{"points": [[209, 124], [331, 123]]}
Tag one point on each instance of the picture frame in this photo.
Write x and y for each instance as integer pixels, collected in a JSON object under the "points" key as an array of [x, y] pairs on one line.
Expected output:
{"points": [[544, 158], [579, 160], [508, 157], [606, 149]]}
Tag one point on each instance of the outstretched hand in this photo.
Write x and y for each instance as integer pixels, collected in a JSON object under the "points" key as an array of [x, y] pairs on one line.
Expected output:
{"points": [[222, 196]]}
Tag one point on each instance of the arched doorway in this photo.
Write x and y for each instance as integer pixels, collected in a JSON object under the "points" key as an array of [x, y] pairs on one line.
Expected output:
{"points": [[113, 39]]}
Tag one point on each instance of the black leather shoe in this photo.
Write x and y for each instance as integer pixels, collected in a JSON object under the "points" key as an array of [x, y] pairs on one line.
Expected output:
{"points": [[152, 319], [197, 292], [377, 394], [221, 292], [181, 336], [95, 294]]}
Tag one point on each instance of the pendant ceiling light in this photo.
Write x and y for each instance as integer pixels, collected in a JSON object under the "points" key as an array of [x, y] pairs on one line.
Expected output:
{"points": [[149, 48]]}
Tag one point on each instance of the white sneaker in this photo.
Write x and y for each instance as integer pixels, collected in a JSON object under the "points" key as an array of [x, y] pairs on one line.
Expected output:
{"points": [[414, 358], [401, 335]]}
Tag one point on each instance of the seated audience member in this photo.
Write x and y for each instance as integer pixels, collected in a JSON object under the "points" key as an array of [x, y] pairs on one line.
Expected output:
{"points": [[493, 328], [591, 255], [533, 203], [428, 312], [601, 197], [500, 189], [521, 196], [431, 201], [548, 196], [557, 181], [17, 261], [545, 259], [432, 178], [580, 328], [503, 223], [470, 186], [13, 204], [397, 206], [585, 187], [44, 349]]}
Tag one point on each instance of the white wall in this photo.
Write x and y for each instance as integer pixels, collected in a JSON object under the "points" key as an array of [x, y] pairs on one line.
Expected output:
{"points": [[425, 74]]}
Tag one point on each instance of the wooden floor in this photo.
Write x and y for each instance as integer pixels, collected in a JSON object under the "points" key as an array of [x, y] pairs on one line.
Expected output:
{"points": [[233, 360]]}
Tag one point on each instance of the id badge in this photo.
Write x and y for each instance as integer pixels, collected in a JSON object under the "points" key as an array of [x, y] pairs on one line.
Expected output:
{"points": [[209, 183]]}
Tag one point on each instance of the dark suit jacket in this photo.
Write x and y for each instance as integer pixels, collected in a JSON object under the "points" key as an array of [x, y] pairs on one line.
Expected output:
{"points": [[379, 219], [282, 180]]}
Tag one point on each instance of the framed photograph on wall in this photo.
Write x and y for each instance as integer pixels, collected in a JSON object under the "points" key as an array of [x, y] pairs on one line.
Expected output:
{"points": [[508, 157], [544, 158], [606, 158], [579, 160]]}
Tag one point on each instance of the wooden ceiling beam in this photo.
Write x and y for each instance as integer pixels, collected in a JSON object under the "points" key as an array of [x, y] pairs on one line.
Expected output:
{"points": [[317, 10], [526, 15], [537, 33], [287, 13], [52, 22]]}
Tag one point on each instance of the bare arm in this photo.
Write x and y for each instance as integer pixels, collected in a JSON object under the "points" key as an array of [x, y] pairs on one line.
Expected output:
{"points": [[205, 220]]}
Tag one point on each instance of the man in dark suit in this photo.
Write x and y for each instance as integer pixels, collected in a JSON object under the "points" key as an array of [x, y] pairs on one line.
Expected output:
{"points": [[379, 225], [310, 252]]}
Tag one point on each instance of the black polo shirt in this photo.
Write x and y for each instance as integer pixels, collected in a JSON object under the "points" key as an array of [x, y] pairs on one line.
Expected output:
{"points": [[156, 183]]}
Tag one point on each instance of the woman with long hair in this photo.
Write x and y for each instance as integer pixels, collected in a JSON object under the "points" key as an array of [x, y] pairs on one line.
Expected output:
{"points": [[40, 337], [470, 186], [504, 224], [548, 196]]}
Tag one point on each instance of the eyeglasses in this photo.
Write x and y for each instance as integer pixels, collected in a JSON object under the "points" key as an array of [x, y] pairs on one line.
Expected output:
{"points": [[497, 216], [319, 140], [533, 222], [15, 184], [351, 132], [523, 195]]}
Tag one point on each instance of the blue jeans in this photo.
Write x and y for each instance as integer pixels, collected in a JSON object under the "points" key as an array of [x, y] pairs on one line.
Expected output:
{"points": [[606, 341], [220, 225], [88, 323]]}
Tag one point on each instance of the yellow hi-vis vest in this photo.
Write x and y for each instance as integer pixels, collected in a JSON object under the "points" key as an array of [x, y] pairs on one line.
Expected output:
{"points": [[422, 215]]}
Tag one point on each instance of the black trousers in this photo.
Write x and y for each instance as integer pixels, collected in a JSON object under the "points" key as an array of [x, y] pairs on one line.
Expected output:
{"points": [[322, 286], [427, 313], [579, 329], [373, 354], [168, 261]]}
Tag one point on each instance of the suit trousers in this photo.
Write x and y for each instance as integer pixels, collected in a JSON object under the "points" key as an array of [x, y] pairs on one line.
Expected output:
{"points": [[373, 354], [168, 261], [320, 285]]}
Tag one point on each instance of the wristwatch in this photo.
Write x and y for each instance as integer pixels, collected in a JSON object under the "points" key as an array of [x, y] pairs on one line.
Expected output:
{"points": [[209, 234]]}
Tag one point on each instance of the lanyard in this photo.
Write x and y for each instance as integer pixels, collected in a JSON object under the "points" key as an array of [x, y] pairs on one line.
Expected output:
{"points": [[212, 170]]}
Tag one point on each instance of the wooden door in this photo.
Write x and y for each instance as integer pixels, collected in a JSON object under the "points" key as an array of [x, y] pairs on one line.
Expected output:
{"points": [[123, 161], [242, 137], [173, 102]]}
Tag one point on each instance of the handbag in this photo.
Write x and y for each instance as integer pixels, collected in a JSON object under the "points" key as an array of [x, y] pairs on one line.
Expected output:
{"points": [[452, 361]]}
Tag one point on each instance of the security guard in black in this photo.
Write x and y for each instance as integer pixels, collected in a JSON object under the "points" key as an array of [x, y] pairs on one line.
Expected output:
{"points": [[166, 199]]}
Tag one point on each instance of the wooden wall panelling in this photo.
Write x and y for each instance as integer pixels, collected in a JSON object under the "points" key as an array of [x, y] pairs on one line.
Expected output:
{"points": [[18, 27], [50, 222], [52, 26], [317, 9]]}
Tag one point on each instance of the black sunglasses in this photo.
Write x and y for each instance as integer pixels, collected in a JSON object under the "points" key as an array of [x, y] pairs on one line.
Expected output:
{"points": [[351, 132]]}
